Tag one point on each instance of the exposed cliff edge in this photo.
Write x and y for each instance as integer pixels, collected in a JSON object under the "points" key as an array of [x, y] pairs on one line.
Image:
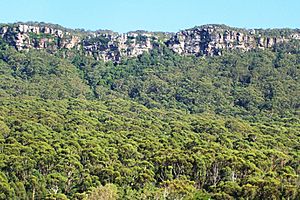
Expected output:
{"points": [[212, 39], [23, 36], [206, 40]]}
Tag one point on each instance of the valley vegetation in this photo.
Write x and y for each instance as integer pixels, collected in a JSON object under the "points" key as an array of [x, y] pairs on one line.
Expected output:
{"points": [[159, 126]]}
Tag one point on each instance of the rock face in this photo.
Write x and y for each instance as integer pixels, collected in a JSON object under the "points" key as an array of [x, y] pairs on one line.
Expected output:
{"points": [[105, 46], [211, 40], [115, 46], [24, 37], [207, 40]]}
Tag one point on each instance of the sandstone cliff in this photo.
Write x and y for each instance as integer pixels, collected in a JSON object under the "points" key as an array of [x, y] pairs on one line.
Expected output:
{"points": [[115, 46], [212, 39], [24, 37], [207, 40]]}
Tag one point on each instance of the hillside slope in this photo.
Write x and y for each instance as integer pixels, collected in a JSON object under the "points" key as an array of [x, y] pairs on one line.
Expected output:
{"points": [[161, 123], [64, 148]]}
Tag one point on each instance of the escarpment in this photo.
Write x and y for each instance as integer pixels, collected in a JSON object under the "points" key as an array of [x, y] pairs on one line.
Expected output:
{"points": [[207, 40], [212, 39], [115, 46], [24, 37]]}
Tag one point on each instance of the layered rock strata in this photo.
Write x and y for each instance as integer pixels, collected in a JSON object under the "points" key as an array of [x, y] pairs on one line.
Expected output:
{"points": [[207, 40]]}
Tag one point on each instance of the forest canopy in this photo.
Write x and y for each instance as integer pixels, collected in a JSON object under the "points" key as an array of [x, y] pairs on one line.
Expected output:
{"points": [[159, 126]]}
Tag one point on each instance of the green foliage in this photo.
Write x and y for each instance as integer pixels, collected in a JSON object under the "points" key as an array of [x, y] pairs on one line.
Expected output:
{"points": [[101, 39], [39, 74], [161, 126], [40, 36], [67, 147], [107, 192], [246, 85]]}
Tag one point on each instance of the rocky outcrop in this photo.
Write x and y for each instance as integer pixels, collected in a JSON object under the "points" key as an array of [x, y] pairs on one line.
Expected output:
{"points": [[103, 45], [115, 46], [24, 37], [208, 40], [212, 40]]}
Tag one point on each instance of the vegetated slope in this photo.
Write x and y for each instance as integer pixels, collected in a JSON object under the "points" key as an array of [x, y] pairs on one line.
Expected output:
{"points": [[263, 83], [38, 73], [157, 126], [64, 148], [257, 83]]}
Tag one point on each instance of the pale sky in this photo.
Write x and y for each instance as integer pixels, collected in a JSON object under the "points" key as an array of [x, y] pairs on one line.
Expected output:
{"points": [[154, 15]]}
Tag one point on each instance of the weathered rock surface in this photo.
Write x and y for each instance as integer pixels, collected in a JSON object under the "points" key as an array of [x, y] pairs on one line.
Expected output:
{"points": [[24, 37], [211, 40], [207, 40], [114, 47]]}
